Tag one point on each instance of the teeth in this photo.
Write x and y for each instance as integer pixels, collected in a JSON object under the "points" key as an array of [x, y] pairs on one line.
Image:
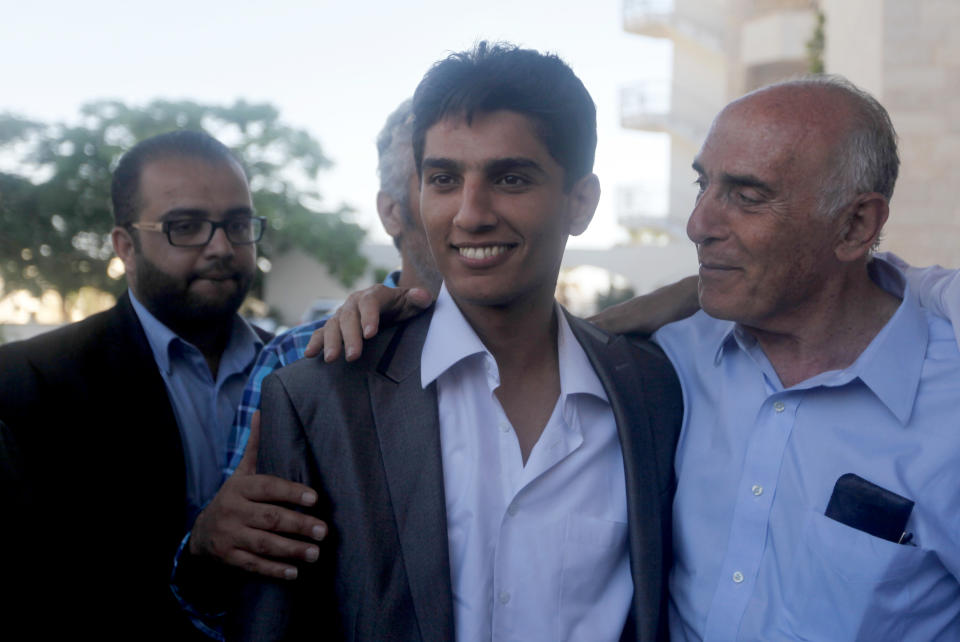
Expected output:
{"points": [[482, 252]]}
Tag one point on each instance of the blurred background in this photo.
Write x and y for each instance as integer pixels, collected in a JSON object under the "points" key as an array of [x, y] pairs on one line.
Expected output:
{"points": [[300, 90]]}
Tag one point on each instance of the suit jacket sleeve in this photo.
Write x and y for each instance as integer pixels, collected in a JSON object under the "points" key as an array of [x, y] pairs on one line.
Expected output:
{"points": [[269, 609]]}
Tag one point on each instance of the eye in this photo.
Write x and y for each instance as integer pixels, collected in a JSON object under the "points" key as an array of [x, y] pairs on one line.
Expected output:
{"points": [[242, 224], [513, 181], [747, 197], [186, 226], [441, 180], [701, 183]]}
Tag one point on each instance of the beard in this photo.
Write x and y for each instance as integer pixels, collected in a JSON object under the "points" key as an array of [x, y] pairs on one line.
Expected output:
{"points": [[174, 304]]}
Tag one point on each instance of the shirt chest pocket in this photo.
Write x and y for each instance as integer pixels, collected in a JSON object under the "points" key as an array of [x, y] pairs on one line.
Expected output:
{"points": [[848, 585], [595, 583]]}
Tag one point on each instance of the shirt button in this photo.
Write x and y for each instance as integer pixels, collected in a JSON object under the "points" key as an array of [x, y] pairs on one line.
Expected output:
{"points": [[504, 426], [504, 597], [757, 490], [737, 577], [512, 510], [778, 406]]}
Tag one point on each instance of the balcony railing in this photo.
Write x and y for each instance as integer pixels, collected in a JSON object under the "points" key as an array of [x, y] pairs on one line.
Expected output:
{"points": [[701, 21], [657, 105]]}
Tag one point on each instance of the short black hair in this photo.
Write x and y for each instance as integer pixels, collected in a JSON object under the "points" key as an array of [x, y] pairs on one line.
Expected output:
{"points": [[125, 187], [502, 76]]}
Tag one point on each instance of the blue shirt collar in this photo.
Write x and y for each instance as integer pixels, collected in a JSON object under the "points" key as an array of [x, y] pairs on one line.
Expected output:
{"points": [[242, 347], [891, 364], [392, 280]]}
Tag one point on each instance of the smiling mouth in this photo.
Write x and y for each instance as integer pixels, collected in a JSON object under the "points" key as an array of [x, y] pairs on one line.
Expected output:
{"points": [[484, 252], [707, 265]]}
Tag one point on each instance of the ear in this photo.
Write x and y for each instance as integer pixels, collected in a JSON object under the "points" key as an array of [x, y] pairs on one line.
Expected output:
{"points": [[862, 223], [391, 214], [584, 196], [124, 246]]}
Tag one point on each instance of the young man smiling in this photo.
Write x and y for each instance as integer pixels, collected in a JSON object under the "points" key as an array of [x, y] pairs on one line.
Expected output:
{"points": [[483, 472]]}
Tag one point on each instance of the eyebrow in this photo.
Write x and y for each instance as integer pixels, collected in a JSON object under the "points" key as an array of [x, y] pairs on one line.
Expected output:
{"points": [[504, 165], [491, 168], [738, 180], [440, 163]]}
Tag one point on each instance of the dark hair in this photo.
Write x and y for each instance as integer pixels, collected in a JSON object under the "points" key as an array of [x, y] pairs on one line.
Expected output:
{"points": [[125, 187], [503, 76]]}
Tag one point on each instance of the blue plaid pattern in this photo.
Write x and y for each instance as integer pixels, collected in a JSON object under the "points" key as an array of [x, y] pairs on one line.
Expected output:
{"points": [[283, 350]]}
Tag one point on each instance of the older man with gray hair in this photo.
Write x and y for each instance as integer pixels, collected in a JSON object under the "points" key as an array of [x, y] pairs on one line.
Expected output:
{"points": [[819, 460]]}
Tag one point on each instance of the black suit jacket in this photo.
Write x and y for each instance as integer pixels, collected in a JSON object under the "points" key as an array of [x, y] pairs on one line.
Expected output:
{"points": [[93, 482], [366, 436]]}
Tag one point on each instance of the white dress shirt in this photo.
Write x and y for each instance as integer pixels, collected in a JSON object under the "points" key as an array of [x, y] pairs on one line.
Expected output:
{"points": [[537, 552]]}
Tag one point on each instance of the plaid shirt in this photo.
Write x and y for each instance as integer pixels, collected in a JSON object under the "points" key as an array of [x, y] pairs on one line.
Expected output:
{"points": [[283, 350]]}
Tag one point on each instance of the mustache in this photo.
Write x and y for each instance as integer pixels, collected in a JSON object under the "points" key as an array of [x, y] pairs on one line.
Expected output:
{"points": [[219, 270]]}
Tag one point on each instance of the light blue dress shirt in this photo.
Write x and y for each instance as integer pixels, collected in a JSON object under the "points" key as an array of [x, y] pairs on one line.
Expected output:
{"points": [[204, 406], [755, 557]]}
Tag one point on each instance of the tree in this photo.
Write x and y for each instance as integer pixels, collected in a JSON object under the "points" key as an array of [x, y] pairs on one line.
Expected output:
{"points": [[55, 216], [613, 296], [815, 46]]}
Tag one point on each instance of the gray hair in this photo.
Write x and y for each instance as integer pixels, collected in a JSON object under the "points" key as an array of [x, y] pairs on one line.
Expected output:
{"points": [[395, 153], [867, 159]]}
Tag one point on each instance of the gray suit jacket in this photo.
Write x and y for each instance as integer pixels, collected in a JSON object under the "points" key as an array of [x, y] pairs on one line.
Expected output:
{"points": [[366, 436]]}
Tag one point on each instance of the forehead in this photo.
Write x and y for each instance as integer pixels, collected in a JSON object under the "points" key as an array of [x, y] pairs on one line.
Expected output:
{"points": [[489, 135], [175, 181], [771, 135]]}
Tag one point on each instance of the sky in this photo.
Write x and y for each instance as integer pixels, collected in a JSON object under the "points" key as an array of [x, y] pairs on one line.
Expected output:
{"points": [[336, 69]]}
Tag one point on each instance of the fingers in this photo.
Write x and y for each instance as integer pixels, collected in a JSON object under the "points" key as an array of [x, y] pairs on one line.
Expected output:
{"points": [[244, 525], [276, 519], [270, 489], [268, 554], [315, 345], [359, 319], [261, 566]]}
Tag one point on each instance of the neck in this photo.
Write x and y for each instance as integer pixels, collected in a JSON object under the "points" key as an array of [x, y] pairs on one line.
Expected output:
{"points": [[829, 333], [518, 336], [209, 335], [210, 343], [523, 341]]}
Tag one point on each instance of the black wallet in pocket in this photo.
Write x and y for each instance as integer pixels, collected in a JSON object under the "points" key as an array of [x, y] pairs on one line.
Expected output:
{"points": [[869, 508]]}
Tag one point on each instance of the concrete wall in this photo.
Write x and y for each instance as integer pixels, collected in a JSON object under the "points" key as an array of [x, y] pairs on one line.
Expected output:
{"points": [[908, 55]]}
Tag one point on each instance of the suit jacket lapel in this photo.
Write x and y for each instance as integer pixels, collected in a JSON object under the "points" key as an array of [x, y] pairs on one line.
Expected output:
{"points": [[615, 365], [407, 425]]}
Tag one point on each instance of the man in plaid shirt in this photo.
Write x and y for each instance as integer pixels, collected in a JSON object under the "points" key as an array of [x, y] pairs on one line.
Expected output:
{"points": [[243, 526]]}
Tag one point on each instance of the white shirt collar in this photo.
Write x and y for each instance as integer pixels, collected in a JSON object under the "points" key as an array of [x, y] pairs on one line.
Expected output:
{"points": [[450, 339]]}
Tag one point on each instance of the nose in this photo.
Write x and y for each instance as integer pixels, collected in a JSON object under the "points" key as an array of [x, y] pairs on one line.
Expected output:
{"points": [[476, 211], [706, 222], [219, 245]]}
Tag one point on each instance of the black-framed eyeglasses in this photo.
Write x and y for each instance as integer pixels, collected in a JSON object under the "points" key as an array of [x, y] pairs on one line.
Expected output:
{"points": [[197, 232]]}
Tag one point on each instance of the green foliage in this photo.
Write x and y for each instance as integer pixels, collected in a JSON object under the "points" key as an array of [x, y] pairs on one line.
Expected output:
{"points": [[613, 296], [815, 46], [55, 216]]}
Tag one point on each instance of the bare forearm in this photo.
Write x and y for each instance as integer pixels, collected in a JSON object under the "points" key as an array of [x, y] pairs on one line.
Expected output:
{"points": [[649, 312]]}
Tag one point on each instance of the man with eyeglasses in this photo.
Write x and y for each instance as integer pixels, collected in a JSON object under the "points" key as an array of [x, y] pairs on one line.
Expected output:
{"points": [[113, 429]]}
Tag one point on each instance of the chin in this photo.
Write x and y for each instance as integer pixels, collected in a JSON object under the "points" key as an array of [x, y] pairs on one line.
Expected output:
{"points": [[720, 307]]}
